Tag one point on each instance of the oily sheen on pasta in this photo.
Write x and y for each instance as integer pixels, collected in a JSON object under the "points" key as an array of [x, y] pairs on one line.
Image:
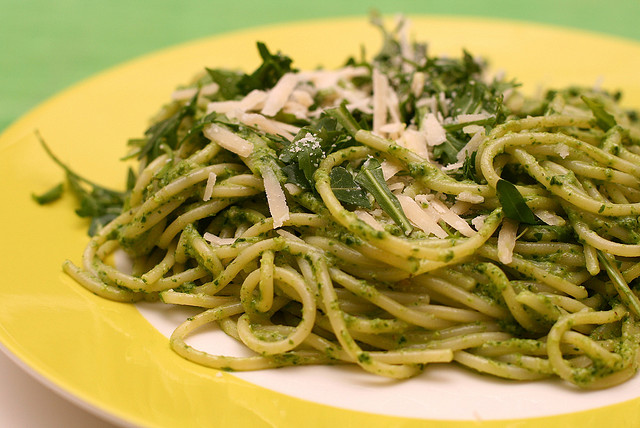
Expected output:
{"points": [[392, 214]]}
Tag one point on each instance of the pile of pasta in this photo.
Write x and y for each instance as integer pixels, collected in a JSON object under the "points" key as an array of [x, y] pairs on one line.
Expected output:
{"points": [[441, 271]]}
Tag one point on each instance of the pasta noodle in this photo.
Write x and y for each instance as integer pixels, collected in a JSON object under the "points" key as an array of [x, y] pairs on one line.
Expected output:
{"points": [[390, 214]]}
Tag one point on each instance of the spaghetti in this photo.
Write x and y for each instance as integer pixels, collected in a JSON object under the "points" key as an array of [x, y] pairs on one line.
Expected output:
{"points": [[391, 214]]}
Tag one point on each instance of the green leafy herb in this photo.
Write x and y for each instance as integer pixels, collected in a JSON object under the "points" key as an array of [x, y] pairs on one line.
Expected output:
{"points": [[627, 296], [273, 67], [513, 204], [98, 203], [346, 189], [50, 195], [604, 119], [371, 178], [227, 81], [165, 132]]}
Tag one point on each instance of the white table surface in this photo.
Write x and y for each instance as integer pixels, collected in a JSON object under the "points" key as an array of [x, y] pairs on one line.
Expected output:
{"points": [[26, 402]]}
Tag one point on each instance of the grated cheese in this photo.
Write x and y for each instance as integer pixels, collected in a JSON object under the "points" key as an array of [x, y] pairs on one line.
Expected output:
{"points": [[275, 198], [228, 140]]}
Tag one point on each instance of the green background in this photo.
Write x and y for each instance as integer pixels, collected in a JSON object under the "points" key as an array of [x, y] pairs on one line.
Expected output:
{"points": [[45, 46]]}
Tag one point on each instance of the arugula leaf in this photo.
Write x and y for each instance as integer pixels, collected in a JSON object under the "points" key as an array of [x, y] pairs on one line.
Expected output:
{"points": [[50, 195], [166, 131], [313, 143], [98, 203], [227, 80], [468, 170], [346, 189], [604, 119], [513, 204], [447, 152], [371, 178], [344, 117], [273, 67], [627, 296], [296, 176]]}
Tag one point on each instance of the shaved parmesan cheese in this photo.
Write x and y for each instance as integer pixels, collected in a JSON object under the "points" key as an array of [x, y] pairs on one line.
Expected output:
{"points": [[471, 146], [451, 218], [472, 129], [417, 83], [507, 240], [478, 221], [396, 186], [389, 169], [464, 118], [368, 219], [293, 189], [228, 140], [460, 207], [420, 217], [563, 150], [208, 190], [275, 198], [380, 91], [267, 125], [392, 128], [216, 240], [434, 131], [549, 218], [328, 79], [188, 93], [415, 141], [470, 197], [302, 97], [279, 94]]}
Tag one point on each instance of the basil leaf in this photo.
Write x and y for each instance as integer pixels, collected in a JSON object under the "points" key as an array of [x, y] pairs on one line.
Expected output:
{"points": [[371, 178], [346, 189], [513, 204], [604, 119]]}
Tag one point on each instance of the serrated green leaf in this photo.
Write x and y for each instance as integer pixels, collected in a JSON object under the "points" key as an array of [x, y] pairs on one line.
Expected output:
{"points": [[346, 189]]}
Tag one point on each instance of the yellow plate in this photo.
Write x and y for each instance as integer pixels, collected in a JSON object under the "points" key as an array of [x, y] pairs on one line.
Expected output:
{"points": [[108, 357]]}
